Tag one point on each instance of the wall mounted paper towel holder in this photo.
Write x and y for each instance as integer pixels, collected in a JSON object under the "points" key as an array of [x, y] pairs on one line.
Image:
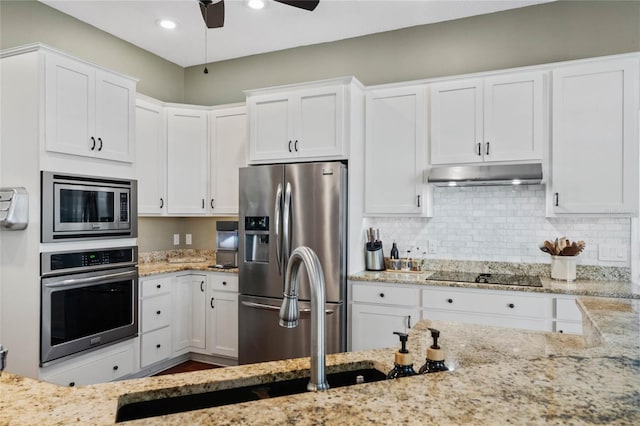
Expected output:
{"points": [[14, 208]]}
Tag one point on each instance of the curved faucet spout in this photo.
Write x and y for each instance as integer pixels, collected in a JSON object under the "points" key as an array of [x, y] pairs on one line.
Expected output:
{"points": [[289, 312]]}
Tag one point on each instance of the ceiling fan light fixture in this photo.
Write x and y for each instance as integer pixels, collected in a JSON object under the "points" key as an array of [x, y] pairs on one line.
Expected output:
{"points": [[167, 24], [256, 4]]}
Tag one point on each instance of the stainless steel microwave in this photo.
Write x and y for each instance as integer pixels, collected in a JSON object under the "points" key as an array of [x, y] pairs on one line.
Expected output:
{"points": [[76, 207]]}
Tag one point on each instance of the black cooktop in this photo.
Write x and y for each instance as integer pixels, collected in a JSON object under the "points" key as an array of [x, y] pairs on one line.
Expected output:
{"points": [[475, 277]]}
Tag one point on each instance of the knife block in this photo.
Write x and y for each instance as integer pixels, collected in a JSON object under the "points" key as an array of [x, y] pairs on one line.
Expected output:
{"points": [[374, 258]]}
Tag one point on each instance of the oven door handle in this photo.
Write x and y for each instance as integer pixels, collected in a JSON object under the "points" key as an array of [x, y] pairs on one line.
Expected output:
{"points": [[89, 280]]}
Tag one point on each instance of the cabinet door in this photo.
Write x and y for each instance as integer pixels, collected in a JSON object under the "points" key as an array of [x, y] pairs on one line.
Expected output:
{"points": [[317, 116], [595, 138], [372, 326], [115, 115], [513, 125], [228, 154], [150, 150], [198, 311], [187, 158], [155, 346], [182, 305], [69, 106], [456, 122], [222, 334], [395, 151], [270, 128]]}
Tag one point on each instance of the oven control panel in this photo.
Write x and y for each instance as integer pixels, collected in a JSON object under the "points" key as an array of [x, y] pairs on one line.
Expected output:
{"points": [[79, 261]]}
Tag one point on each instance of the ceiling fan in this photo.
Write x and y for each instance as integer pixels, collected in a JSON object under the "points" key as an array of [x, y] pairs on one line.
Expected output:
{"points": [[213, 13]]}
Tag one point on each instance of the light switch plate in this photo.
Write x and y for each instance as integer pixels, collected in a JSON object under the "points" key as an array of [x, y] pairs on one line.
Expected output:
{"points": [[187, 239], [176, 239], [612, 252]]}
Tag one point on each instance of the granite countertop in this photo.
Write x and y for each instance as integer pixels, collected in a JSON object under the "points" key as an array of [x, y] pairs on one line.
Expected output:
{"points": [[500, 375], [580, 287], [164, 262]]}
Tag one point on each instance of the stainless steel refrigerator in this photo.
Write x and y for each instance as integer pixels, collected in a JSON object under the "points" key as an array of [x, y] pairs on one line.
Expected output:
{"points": [[282, 207]]}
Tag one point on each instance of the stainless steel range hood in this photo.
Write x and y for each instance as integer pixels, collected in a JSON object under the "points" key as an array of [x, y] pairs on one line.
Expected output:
{"points": [[512, 174]]}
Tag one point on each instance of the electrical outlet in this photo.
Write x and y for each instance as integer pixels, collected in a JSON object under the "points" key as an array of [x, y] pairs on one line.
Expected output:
{"points": [[176, 239], [188, 239], [433, 246], [612, 252]]}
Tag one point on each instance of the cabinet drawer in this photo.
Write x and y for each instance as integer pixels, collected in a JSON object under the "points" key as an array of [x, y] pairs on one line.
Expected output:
{"points": [[224, 282], [156, 312], [483, 302], [568, 327], [155, 346], [101, 369], [155, 286], [566, 309], [524, 323], [386, 295]]}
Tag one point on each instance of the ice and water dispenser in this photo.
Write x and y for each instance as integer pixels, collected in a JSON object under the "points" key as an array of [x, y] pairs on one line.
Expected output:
{"points": [[256, 234]]}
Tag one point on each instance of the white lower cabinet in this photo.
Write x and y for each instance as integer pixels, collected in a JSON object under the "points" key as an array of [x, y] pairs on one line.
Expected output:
{"points": [[567, 316], [222, 315], [155, 346], [155, 319], [189, 313], [379, 310], [101, 366]]}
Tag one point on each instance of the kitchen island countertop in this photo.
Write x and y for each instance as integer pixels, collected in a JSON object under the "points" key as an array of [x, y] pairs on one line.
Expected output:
{"points": [[500, 376]]}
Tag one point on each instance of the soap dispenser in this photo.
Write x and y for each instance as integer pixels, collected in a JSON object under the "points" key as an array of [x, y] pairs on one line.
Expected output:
{"points": [[403, 365], [435, 356]]}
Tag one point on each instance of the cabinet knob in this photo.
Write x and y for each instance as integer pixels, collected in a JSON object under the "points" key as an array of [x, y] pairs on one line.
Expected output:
{"points": [[511, 305], [115, 368], [449, 300], [158, 286], [224, 283], [560, 331], [72, 384], [381, 294], [158, 312], [158, 345]]}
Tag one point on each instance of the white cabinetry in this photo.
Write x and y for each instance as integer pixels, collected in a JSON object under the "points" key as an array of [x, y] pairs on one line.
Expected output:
{"points": [[88, 111], [105, 365], [222, 317], [567, 316], [187, 158], [189, 313], [595, 138], [301, 122], [479, 306], [498, 118], [378, 310], [228, 153], [151, 152], [395, 151], [155, 320]]}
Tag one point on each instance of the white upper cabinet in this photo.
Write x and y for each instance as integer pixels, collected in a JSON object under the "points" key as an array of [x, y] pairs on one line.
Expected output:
{"points": [[395, 151], [187, 158], [151, 154], [228, 153], [498, 118], [302, 122], [594, 159], [88, 111]]}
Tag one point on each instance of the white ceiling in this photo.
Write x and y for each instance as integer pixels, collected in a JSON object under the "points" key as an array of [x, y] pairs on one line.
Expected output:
{"points": [[249, 32]]}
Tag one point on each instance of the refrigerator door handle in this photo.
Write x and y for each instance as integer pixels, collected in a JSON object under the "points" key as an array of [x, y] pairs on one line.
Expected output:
{"points": [[286, 218], [276, 215], [277, 308]]}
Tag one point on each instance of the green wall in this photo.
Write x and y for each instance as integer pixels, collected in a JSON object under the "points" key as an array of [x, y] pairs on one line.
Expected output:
{"points": [[531, 35], [25, 22]]}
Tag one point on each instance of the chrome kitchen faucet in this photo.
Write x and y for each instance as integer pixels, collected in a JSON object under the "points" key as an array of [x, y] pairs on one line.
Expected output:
{"points": [[289, 312]]}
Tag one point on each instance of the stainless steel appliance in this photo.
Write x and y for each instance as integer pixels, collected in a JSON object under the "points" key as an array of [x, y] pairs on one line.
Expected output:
{"points": [[89, 299], [76, 207], [283, 207], [227, 243], [476, 277]]}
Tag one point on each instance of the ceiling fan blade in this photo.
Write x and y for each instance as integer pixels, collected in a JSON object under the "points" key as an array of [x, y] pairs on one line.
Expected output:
{"points": [[212, 13], [302, 4]]}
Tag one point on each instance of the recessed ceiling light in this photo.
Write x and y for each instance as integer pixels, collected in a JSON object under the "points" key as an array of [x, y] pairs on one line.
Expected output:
{"points": [[256, 4], [167, 24]]}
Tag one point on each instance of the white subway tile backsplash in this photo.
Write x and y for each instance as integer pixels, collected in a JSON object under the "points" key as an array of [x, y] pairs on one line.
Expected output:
{"points": [[502, 224]]}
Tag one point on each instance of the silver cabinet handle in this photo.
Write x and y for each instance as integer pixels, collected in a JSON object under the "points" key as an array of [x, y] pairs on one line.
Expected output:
{"points": [[286, 219], [75, 281], [487, 151]]}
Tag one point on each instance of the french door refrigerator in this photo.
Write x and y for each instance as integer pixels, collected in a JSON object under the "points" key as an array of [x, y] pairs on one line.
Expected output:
{"points": [[282, 207]]}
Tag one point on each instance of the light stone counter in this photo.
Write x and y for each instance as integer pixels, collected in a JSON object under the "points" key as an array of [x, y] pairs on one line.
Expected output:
{"points": [[581, 287], [164, 262], [499, 376]]}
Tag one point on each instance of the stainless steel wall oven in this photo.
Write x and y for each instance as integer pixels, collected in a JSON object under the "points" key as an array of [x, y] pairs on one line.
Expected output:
{"points": [[88, 300], [76, 207]]}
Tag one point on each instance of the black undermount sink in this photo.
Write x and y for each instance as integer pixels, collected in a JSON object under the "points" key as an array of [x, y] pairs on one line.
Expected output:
{"points": [[179, 404]]}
